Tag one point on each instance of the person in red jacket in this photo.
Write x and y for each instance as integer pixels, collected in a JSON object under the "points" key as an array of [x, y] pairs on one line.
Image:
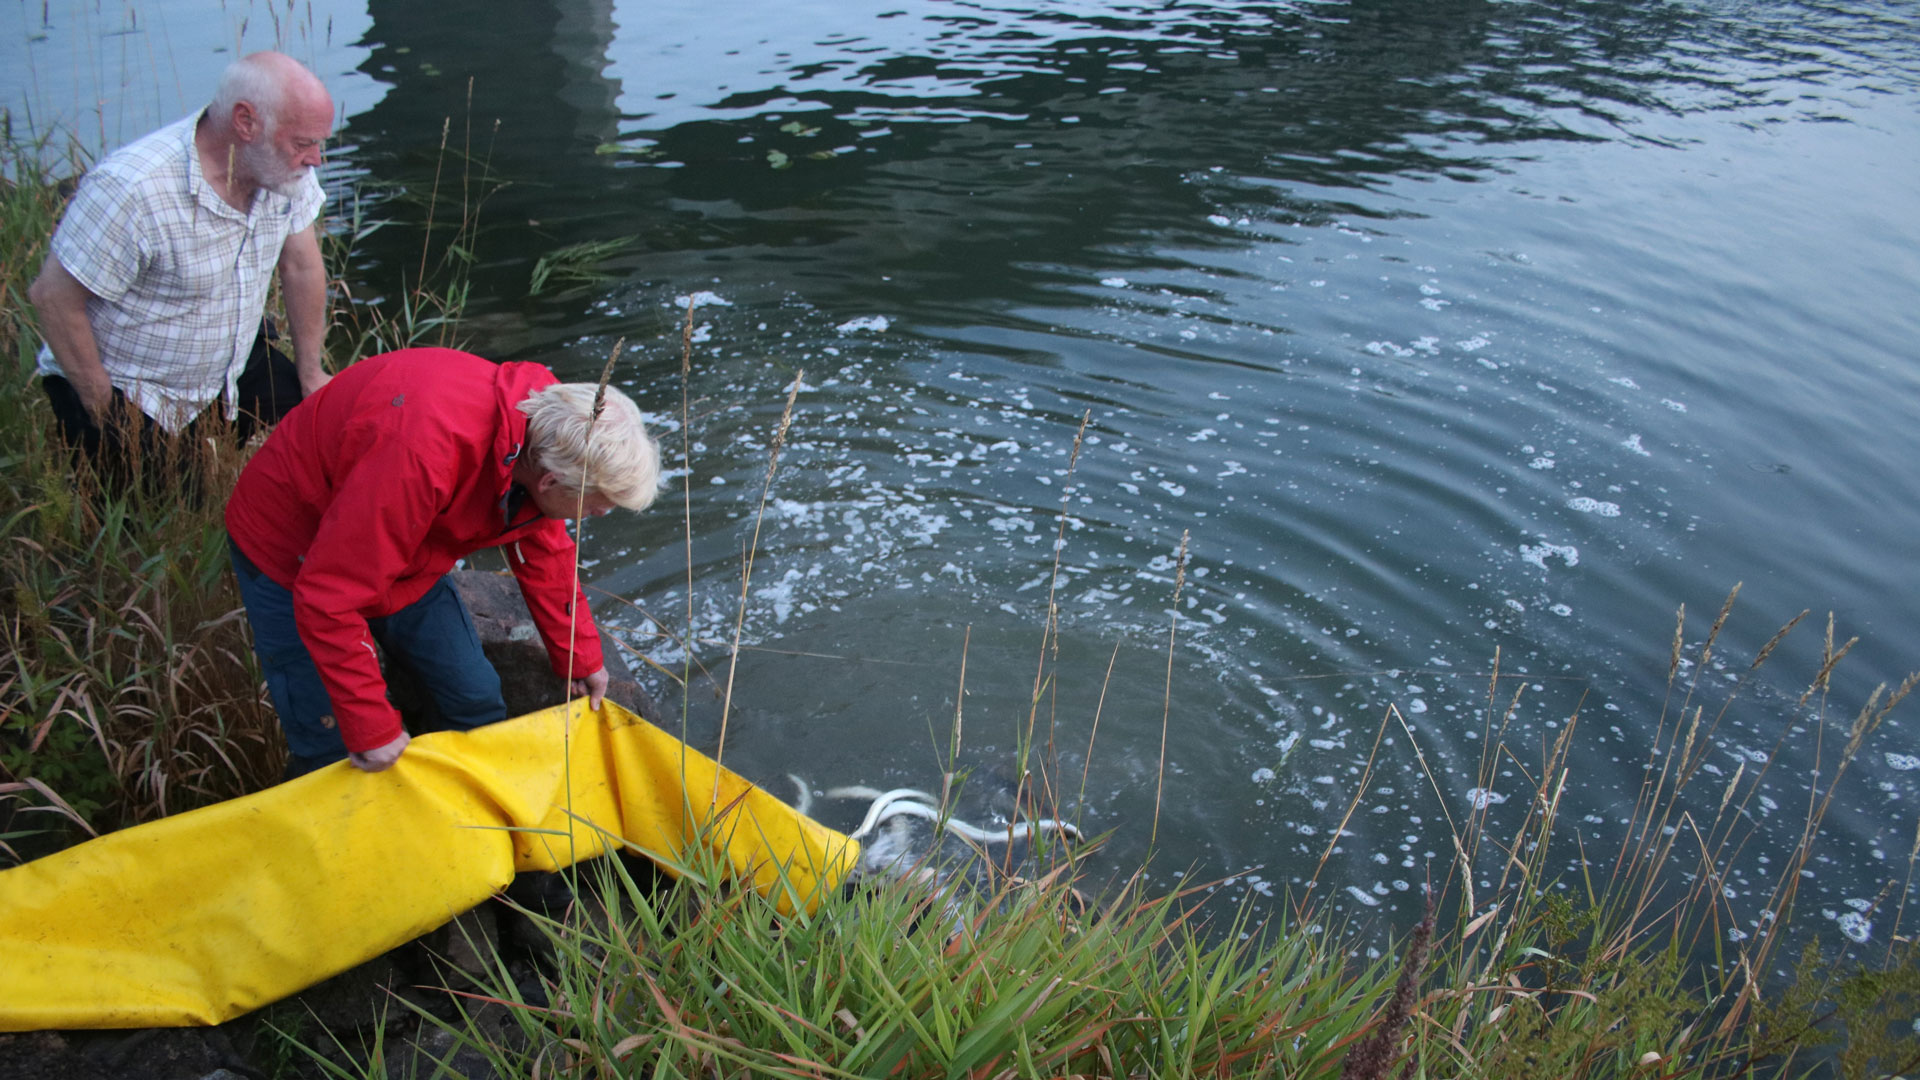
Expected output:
{"points": [[346, 522]]}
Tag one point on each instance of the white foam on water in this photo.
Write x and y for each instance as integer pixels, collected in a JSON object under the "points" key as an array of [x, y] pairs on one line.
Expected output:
{"points": [[702, 299], [1588, 505], [1539, 554], [1676, 406], [1471, 344], [1856, 926], [1221, 220], [1416, 706], [1541, 463], [1481, 798], [1363, 896], [780, 595], [1633, 444], [876, 323], [1903, 762], [1115, 282], [1263, 775], [1386, 348]]}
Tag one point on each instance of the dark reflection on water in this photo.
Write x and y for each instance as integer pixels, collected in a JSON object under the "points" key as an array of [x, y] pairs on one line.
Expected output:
{"points": [[989, 131]]}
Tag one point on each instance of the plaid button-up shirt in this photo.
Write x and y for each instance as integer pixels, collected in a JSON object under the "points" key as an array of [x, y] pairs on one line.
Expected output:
{"points": [[179, 277]]}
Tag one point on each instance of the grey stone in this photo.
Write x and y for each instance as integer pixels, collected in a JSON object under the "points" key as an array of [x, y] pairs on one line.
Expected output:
{"points": [[357, 997], [169, 1054], [470, 943], [438, 1050]]}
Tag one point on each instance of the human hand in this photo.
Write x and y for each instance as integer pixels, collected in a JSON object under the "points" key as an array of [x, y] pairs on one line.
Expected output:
{"points": [[381, 758], [594, 686], [96, 398]]}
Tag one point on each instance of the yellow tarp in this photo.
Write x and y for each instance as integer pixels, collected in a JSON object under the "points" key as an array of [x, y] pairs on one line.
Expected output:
{"points": [[198, 918]]}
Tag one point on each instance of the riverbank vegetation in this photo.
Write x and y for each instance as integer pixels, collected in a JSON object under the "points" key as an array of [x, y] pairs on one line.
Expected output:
{"points": [[129, 689], [129, 692], [1643, 963]]}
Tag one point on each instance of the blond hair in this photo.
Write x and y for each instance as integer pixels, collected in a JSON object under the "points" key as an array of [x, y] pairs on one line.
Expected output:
{"points": [[612, 456]]}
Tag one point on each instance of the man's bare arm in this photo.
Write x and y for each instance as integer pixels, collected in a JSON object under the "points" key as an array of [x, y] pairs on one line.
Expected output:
{"points": [[61, 302], [303, 282]]}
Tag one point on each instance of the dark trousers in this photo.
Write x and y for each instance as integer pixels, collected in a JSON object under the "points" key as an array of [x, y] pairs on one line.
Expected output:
{"points": [[128, 444], [434, 637]]}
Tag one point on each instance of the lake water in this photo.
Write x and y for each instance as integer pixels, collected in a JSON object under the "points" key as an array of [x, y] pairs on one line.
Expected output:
{"points": [[1430, 330]]}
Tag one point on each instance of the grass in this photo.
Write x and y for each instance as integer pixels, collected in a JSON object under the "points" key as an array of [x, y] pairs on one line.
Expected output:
{"points": [[128, 690]]}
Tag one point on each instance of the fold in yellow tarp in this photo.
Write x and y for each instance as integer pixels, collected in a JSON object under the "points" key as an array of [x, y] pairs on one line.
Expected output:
{"points": [[198, 918]]}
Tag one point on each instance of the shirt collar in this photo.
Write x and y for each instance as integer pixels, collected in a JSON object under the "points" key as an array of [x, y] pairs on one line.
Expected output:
{"points": [[198, 187]]}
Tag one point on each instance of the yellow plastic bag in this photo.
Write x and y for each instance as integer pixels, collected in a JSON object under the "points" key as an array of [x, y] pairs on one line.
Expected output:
{"points": [[198, 918]]}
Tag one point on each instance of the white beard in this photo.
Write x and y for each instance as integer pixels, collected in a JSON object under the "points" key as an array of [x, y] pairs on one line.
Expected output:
{"points": [[264, 165]]}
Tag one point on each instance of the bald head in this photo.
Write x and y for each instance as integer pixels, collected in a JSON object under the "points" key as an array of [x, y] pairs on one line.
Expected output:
{"points": [[273, 86], [267, 127]]}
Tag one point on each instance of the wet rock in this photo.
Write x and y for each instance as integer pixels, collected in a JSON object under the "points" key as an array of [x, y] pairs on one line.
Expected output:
{"points": [[357, 997], [186, 1054], [448, 1051]]}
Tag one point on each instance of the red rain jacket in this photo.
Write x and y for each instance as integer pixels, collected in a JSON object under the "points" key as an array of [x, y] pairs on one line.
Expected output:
{"points": [[366, 494]]}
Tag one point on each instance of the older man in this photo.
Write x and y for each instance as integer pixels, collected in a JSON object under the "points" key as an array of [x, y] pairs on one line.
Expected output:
{"points": [[345, 524], [150, 299]]}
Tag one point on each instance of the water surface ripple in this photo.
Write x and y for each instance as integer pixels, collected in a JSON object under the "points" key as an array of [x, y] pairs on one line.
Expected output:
{"points": [[1435, 329]]}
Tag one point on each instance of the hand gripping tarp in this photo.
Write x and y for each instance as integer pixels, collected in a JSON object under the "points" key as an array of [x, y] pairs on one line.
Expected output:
{"points": [[197, 918]]}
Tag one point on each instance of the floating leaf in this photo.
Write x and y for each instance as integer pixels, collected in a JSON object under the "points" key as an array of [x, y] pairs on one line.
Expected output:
{"points": [[607, 148], [778, 160]]}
